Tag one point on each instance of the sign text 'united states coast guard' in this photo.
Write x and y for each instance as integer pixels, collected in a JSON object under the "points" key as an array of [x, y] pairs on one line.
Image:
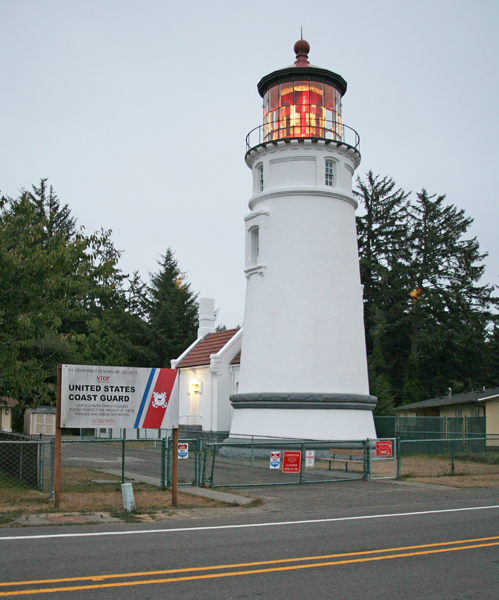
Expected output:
{"points": [[119, 397]]}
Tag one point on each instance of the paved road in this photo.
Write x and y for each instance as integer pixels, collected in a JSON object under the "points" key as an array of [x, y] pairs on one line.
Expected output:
{"points": [[347, 541]]}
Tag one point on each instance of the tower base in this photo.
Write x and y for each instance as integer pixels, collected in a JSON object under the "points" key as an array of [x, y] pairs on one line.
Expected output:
{"points": [[291, 416]]}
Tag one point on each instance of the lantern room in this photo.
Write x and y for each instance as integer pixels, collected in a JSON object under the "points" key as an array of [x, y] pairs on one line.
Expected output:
{"points": [[302, 101]]}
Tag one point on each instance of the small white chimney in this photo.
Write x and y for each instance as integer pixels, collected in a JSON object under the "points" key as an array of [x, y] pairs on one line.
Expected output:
{"points": [[206, 317]]}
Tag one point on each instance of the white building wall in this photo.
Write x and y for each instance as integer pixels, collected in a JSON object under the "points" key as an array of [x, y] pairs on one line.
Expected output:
{"points": [[304, 329]]}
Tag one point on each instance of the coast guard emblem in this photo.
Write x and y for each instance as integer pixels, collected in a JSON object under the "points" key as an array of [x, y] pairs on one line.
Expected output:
{"points": [[159, 400]]}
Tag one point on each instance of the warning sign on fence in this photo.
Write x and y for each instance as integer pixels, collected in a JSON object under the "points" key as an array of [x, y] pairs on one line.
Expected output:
{"points": [[310, 458], [291, 462], [183, 450], [275, 459], [384, 448]]}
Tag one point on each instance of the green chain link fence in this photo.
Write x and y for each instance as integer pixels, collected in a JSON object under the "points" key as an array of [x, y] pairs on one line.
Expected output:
{"points": [[470, 456], [89, 465]]}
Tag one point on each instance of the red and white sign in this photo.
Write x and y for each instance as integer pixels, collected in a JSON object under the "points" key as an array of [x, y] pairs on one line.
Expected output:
{"points": [[291, 462], [119, 397], [384, 448], [309, 458], [183, 450], [275, 459]]}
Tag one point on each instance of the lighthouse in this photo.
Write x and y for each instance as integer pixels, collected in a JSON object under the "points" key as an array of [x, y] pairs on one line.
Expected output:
{"points": [[303, 358]]}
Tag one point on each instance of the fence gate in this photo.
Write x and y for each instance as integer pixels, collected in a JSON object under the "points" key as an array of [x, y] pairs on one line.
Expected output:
{"points": [[383, 459]]}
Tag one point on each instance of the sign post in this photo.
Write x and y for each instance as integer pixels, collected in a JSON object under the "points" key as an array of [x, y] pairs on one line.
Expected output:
{"points": [[57, 453], [175, 467]]}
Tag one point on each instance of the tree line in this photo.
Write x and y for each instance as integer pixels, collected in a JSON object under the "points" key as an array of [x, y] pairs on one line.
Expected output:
{"points": [[64, 299], [430, 324]]}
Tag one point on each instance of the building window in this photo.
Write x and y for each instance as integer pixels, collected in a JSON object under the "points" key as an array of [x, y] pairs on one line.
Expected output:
{"points": [[254, 245], [476, 412], [260, 178], [329, 172], [459, 413]]}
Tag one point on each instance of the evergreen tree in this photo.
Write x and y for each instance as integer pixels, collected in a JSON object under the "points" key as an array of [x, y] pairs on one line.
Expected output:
{"points": [[450, 310], [426, 312], [172, 311], [56, 220], [384, 254], [52, 293]]}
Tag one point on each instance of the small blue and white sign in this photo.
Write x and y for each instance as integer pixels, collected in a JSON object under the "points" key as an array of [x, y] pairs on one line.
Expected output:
{"points": [[183, 450], [275, 459]]}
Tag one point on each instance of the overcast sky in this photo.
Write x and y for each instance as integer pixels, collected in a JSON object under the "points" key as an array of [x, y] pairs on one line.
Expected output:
{"points": [[137, 112]]}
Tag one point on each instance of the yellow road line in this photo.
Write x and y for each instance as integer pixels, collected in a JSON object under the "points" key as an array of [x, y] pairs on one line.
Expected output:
{"points": [[253, 571], [239, 565]]}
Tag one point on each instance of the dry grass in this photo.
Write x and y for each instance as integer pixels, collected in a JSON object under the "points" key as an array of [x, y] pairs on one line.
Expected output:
{"points": [[466, 481], [18, 501]]}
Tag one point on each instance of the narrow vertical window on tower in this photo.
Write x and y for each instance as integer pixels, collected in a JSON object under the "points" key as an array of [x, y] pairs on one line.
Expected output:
{"points": [[329, 173], [260, 178], [254, 245]]}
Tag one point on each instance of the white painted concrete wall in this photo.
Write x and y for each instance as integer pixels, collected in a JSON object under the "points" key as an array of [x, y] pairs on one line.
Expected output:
{"points": [[303, 322]]}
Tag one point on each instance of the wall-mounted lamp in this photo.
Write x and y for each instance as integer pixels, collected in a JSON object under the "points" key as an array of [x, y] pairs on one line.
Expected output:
{"points": [[6, 410], [195, 386]]}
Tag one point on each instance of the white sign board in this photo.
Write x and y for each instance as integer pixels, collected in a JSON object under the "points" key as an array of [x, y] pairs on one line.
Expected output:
{"points": [[275, 459], [183, 450], [309, 458], [119, 397]]}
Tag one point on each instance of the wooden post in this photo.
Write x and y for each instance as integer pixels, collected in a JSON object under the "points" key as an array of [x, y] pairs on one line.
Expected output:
{"points": [[175, 466], [57, 465]]}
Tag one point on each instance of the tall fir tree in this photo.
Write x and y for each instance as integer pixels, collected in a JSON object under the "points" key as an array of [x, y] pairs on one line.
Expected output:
{"points": [[56, 219], [449, 310], [426, 311], [172, 311]]}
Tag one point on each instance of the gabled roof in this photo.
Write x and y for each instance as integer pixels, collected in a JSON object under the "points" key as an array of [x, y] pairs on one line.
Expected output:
{"points": [[463, 398], [210, 344], [8, 402], [237, 359]]}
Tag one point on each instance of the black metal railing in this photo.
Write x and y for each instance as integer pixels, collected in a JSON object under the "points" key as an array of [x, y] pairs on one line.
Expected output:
{"points": [[330, 131]]}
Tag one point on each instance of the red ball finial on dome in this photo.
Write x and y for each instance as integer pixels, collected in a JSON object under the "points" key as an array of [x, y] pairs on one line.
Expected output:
{"points": [[302, 48]]}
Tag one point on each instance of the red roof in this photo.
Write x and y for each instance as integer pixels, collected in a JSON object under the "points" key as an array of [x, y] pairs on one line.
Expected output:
{"points": [[211, 344], [237, 359]]}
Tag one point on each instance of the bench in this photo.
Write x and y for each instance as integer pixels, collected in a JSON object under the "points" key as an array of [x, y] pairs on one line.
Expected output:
{"points": [[345, 455]]}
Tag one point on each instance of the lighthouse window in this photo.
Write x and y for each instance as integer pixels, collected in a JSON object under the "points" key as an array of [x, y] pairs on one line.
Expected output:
{"points": [[329, 173], [260, 178], [254, 243]]}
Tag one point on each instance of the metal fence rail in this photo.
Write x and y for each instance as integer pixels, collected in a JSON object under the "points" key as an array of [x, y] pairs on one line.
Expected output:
{"points": [[248, 463], [440, 458], [90, 465], [26, 463]]}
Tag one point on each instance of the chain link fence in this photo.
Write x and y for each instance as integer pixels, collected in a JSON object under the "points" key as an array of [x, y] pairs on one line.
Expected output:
{"points": [[91, 465], [464, 456], [248, 463]]}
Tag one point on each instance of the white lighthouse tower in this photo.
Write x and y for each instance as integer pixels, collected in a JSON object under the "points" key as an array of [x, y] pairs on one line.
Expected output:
{"points": [[303, 358]]}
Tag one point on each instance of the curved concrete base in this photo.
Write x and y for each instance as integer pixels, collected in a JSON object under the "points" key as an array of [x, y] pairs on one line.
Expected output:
{"points": [[302, 401], [303, 423]]}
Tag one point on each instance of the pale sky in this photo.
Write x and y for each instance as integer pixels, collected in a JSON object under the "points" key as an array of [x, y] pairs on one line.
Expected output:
{"points": [[137, 111]]}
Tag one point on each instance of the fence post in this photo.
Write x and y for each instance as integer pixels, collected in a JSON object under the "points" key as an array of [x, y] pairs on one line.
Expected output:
{"points": [[398, 444], [367, 462], [123, 460], [21, 462], [213, 464], [40, 465], [168, 474], [452, 456], [163, 465], [196, 446], [302, 466], [52, 469]]}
